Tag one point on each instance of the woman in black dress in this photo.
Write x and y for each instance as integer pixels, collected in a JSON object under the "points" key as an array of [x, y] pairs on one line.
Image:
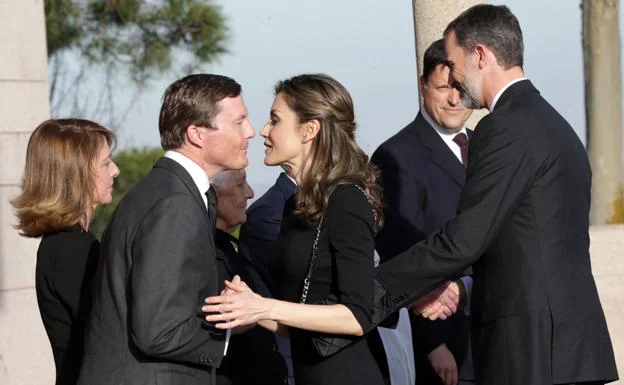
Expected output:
{"points": [[311, 135], [68, 173]]}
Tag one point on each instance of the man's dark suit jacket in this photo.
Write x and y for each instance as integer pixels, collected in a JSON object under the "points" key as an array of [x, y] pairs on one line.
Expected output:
{"points": [[422, 180], [264, 221], [157, 264], [253, 357], [257, 234], [523, 224]]}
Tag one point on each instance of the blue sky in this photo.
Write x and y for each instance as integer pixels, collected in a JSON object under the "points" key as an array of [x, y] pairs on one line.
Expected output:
{"points": [[368, 45]]}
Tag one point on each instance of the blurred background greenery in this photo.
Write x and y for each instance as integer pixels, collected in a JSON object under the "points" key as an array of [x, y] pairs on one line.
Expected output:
{"points": [[134, 164]]}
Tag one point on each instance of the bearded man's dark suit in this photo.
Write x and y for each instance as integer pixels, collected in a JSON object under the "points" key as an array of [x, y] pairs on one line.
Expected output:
{"points": [[157, 264], [523, 224], [422, 180]]}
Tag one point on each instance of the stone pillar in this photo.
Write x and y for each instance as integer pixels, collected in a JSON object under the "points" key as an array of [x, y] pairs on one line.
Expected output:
{"points": [[25, 354], [603, 108], [430, 19]]}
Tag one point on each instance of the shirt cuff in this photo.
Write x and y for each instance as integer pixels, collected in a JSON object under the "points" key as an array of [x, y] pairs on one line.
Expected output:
{"points": [[228, 333], [467, 281]]}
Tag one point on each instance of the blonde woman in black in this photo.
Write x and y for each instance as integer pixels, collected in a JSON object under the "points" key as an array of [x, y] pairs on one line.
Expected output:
{"points": [[68, 173]]}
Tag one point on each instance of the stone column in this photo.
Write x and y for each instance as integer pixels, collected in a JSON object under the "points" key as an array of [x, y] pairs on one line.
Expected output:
{"points": [[430, 19], [25, 354], [603, 108]]}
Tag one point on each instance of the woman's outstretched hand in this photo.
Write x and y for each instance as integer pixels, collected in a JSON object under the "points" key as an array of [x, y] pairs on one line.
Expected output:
{"points": [[238, 305]]}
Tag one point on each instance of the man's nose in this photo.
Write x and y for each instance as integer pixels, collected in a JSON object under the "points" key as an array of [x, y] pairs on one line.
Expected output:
{"points": [[454, 98], [251, 131]]}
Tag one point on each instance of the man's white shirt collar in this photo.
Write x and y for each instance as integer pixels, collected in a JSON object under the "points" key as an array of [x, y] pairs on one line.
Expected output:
{"points": [[446, 136], [291, 178], [197, 173], [500, 92]]}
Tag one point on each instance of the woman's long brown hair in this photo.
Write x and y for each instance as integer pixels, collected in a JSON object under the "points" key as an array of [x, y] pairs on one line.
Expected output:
{"points": [[335, 158]]}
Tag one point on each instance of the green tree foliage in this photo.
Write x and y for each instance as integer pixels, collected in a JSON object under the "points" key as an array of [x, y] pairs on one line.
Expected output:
{"points": [[133, 165], [139, 39], [139, 34]]}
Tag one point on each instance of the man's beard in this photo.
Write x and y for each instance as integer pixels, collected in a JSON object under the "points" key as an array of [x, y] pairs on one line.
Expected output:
{"points": [[469, 90]]}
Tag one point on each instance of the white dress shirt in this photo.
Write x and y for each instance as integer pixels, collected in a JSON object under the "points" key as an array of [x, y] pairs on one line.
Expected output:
{"points": [[500, 92], [202, 182], [198, 174], [291, 178], [446, 136]]}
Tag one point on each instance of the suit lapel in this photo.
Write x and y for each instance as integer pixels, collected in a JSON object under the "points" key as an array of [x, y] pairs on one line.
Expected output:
{"points": [[185, 177], [176, 169], [440, 154], [286, 186]]}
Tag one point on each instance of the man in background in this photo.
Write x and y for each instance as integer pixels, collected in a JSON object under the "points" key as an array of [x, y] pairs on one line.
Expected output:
{"points": [[253, 356], [423, 170], [264, 221]]}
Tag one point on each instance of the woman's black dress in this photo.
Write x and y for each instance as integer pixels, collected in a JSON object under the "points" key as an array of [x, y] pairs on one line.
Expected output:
{"points": [[66, 263], [344, 267]]}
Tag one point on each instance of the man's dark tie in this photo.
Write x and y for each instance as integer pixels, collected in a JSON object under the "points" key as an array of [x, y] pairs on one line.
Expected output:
{"points": [[212, 206], [462, 141]]}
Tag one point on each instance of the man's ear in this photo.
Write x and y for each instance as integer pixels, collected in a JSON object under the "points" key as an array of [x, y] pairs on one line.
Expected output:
{"points": [[421, 84], [194, 135], [482, 53], [311, 129]]}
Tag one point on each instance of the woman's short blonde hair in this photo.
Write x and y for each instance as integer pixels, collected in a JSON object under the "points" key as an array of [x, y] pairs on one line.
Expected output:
{"points": [[57, 183]]}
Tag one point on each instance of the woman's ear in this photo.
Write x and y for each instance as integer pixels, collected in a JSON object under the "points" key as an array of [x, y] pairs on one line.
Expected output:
{"points": [[311, 129]]}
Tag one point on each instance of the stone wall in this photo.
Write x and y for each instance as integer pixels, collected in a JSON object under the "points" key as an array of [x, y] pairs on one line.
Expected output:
{"points": [[25, 355]]}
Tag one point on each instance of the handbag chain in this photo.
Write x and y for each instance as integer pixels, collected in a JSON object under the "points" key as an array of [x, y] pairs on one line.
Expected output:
{"points": [[306, 281], [308, 278]]}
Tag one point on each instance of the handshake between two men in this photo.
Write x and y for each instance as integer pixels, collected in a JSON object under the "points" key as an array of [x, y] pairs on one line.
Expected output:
{"points": [[442, 302]]}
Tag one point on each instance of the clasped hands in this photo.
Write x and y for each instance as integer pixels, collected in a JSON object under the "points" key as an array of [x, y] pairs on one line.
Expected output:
{"points": [[442, 302], [237, 306]]}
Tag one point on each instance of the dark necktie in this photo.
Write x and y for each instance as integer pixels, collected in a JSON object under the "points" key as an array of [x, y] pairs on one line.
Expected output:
{"points": [[462, 141], [212, 206]]}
